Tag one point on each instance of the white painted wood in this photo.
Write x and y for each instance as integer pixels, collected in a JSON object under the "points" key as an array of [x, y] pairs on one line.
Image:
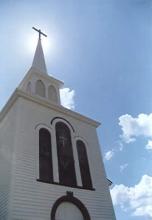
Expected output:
{"points": [[7, 133], [55, 157], [77, 167], [22, 197], [33, 76], [39, 61], [32, 199], [29, 88]]}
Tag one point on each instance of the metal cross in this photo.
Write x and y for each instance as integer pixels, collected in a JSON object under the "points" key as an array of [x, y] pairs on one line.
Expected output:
{"points": [[40, 32]]}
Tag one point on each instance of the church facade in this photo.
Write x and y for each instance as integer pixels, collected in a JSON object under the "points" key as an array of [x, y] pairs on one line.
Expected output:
{"points": [[50, 161]]}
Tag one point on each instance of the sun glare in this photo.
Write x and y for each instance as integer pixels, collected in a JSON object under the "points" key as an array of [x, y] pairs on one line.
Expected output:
{"points": [[32, 40]]}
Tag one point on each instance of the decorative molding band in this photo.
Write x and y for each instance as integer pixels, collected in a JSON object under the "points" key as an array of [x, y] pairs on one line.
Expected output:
{"points": [[59, 184], [41, 101]]}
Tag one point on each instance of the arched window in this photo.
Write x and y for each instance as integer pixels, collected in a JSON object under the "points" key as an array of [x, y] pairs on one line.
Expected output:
{"points": [[69, 207], [45, 156], [84, 165], [40, 88], [65, 155], [52, 94]]}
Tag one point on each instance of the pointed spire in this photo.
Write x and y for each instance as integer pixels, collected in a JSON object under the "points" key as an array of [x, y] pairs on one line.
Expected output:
{"points": [[39, 60]]}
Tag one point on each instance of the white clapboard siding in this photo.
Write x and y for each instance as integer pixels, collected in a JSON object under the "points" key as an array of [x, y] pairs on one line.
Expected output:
{"points": [[22, 197], [7, 134], [32, 199]]}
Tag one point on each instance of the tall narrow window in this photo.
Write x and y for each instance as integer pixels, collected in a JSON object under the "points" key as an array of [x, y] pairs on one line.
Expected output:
{"points": [[84, 165], [52, 94], [40, 88], [45, 156], [65, 155]]}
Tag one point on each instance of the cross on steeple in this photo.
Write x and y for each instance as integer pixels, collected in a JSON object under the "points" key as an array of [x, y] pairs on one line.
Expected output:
{"points": [[40, 32], [39, 60]]}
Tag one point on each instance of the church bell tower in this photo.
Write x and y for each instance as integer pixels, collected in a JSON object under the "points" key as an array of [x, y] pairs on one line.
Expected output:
{"points": [[50, 161]]}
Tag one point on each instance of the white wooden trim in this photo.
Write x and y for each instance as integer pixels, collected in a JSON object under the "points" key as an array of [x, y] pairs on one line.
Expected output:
{"points": [[55, 157], [76, 160], [58, 108]]}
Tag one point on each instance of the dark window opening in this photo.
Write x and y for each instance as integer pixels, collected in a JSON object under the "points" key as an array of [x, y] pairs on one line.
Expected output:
{"points": [[67, 174], [45, 156], [84, 165]]}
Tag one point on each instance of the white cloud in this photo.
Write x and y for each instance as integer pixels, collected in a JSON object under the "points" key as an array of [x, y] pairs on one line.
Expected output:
{"points": [[137, 199], [149, 145], [134, 127], [109, 154], [67, 98], [123, 167]]}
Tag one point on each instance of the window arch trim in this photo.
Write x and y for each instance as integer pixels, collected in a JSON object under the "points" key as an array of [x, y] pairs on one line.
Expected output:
{"points": [[79, 138], [71, 199], [42, 125], [58, 119]]}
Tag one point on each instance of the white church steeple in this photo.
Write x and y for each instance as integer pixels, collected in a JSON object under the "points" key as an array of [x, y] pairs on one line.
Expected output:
{"points": [[39, 60], [37, 81], [50, 162]]}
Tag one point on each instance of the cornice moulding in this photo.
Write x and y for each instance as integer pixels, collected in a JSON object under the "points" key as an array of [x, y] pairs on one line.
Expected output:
{"points": [[59, 108]]}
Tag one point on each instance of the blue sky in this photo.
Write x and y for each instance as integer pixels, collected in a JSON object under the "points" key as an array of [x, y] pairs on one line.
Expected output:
{"points": [[101, 49]]}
